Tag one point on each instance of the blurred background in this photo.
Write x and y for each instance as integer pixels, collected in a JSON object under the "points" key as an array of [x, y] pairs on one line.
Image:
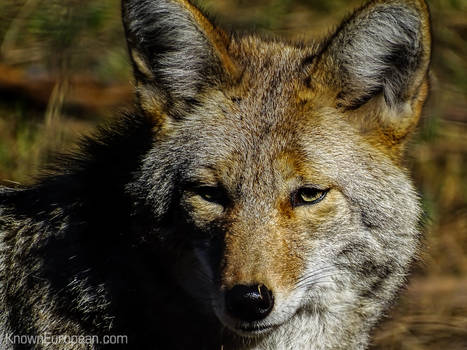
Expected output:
{"points": [[64, 69]]}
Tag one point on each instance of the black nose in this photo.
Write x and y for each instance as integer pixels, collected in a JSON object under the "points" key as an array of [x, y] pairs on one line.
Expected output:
{"points": [[249, 303]]}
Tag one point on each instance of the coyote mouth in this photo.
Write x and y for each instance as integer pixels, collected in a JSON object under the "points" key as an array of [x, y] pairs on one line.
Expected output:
{"points": [[251, 331]]}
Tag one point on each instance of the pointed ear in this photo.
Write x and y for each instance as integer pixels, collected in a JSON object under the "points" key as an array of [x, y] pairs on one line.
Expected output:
{"points": [[176, 53], [377, 63]]}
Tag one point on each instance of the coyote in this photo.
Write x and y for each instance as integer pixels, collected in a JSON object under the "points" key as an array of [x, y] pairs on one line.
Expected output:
{"points": [[255, 199]]}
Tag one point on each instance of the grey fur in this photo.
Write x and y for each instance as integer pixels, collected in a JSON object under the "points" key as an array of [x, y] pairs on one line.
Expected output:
{"points": [[379, 51], [173, 47]]}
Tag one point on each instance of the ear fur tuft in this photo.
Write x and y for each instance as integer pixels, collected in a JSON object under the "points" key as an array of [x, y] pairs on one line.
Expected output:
{"points": [[175, 50], [383, 48]]}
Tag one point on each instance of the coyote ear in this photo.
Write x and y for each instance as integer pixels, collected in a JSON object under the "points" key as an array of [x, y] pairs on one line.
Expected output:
{"points": [[381, 54], [175, 50]]}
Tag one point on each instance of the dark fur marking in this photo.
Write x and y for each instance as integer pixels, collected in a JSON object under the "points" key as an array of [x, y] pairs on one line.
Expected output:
{"points": [[308, 60]]}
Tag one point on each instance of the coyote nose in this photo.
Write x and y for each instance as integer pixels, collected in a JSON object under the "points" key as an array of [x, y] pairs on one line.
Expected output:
{"points": [[249, 303]]}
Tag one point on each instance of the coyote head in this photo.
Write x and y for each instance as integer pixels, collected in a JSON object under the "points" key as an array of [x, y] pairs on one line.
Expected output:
{"points": [[277, 166]]}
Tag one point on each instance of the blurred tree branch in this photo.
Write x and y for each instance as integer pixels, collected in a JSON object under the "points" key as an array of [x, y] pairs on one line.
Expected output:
{"points": [[7, 49]]}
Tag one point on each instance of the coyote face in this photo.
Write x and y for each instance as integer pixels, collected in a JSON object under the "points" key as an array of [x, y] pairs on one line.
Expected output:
{"points": [[287, 157], [256, 199]]}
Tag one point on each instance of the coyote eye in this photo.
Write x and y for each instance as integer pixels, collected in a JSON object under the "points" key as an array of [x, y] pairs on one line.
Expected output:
{"points": [[211, 194], [307, 196]]}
